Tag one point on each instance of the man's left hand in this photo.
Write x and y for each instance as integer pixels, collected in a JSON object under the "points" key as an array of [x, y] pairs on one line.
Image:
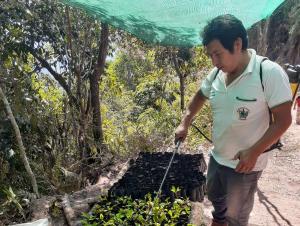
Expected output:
{"points": [[247, 161]]}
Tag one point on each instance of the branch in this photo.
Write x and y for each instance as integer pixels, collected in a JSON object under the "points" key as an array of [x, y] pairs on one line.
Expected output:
{"points": [[176, 66], [56, 75]]}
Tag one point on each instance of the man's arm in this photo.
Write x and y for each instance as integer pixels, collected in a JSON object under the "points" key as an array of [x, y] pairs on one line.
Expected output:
{"points": [[282, 121], [194, 106]]}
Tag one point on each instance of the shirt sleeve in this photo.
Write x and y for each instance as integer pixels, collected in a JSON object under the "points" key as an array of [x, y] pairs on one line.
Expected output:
{"points": [[277, 86], [207, 82]]}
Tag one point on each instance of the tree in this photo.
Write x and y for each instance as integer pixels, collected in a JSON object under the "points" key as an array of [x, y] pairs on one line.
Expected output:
{"points": [[94, 84], [72, 47], [20, 142]]}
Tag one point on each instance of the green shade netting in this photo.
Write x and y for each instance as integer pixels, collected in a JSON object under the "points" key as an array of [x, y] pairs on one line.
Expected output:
{"points": [[173, 22]]}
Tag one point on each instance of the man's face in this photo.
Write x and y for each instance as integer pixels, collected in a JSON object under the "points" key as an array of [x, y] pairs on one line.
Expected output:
{"points": [[222, 58]]}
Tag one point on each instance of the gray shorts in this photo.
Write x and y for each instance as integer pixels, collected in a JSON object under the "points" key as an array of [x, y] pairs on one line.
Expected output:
{"points": [[231, 193]]}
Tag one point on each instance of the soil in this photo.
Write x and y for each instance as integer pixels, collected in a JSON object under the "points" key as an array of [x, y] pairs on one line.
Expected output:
{"points": [[277, 201], [186, 172]]}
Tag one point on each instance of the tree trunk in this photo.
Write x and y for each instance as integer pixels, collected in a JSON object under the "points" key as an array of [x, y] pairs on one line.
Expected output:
{"points": [[94, 84], [95, 103], [182, 91], [181, 81], [20, 142]]}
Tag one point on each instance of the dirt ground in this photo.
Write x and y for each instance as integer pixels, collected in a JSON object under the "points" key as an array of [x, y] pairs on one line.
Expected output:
{"points": [[277, 201]]}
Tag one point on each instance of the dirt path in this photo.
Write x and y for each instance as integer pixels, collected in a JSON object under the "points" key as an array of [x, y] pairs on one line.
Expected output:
{"points": [[277, 202]]}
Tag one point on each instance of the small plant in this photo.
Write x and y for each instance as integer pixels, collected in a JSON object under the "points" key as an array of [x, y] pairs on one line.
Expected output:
{"points": [[149, 211], [11, 204]]}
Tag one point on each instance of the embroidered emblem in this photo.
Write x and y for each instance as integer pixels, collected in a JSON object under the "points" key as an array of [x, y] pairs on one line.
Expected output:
{"points": [[243, 113]]}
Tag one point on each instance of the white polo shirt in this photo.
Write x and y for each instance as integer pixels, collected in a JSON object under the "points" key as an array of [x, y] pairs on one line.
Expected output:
{"points": [[240, 110]]}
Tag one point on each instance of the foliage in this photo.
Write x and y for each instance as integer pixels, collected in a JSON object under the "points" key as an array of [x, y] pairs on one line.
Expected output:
{"points": [[203, 119], [142, 114], [148, 211], [10, 204], [50, 95], [47, 60]]}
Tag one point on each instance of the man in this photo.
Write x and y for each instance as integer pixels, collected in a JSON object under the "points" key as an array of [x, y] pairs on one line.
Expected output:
{"points": [[240, 107]]}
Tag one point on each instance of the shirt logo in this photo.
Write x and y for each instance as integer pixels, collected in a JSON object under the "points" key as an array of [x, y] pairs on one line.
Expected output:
{"points": [[243, 113]]}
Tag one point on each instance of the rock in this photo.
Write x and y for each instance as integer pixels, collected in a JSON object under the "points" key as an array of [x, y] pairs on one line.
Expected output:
{"points": [[278, 37]]}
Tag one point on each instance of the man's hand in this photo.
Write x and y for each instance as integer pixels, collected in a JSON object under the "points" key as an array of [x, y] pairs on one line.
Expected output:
{"points": [[181, 133], [247, 161], [282, 120]]}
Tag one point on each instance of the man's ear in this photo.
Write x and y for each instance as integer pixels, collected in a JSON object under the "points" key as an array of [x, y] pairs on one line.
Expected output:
{"points": [[238, 44]]}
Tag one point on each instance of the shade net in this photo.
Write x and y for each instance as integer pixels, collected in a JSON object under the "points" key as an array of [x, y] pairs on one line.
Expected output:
{"points": [[172, 22]]}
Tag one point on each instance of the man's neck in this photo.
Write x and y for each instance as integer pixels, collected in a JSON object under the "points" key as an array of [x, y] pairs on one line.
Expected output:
{"points": [[244, 61]]}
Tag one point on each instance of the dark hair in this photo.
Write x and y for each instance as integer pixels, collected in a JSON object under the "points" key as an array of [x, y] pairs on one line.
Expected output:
{"points": [[225, 28]]}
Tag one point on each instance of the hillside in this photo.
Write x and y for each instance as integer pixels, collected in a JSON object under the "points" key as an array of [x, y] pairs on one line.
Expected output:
{"points": [[278, 37]]}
